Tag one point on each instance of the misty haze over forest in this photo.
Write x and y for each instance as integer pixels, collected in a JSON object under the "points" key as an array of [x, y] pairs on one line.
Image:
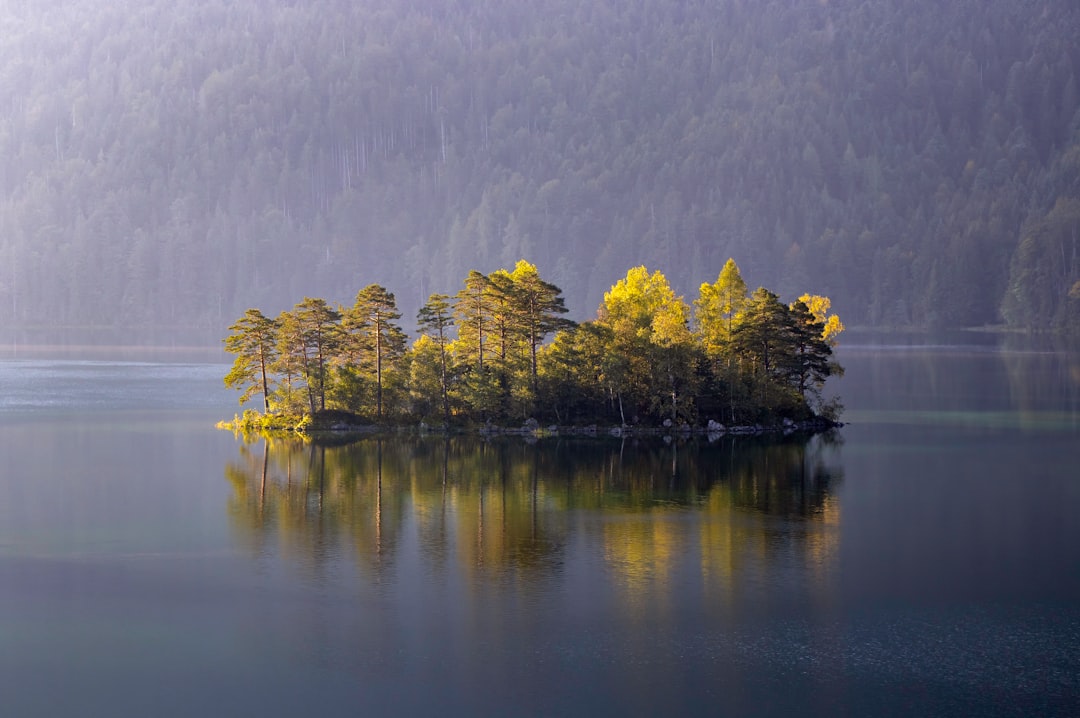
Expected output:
{"points": [[171, 164]]}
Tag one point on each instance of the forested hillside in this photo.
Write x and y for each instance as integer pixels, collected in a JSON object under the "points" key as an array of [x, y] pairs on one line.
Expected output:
{"points": [[173, 163]]}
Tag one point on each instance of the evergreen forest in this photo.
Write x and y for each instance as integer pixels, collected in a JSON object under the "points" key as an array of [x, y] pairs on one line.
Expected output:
{"points": [[169, 164], [733, 359]]}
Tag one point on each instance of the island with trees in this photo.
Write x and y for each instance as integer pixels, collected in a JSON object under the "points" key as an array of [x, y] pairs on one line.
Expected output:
{"points": [[500, 353]]}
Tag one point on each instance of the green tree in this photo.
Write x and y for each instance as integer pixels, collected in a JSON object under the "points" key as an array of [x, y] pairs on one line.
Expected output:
{"points": [[762, 339], [291, 395], [540, 307], [473, 311], [317, 336], [254, 342], [475, 308], [504, 329], [375, 336], [435, 319], [426, 388], [572, 383], [811, 361]]}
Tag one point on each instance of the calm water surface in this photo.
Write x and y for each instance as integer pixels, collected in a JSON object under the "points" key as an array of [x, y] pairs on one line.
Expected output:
{"points": [[924, 562]]}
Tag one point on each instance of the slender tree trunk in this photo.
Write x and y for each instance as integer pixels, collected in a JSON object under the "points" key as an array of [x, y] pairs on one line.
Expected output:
{"points": [[309, 382], [442, 379], [265, 387], [265, 466], [322, 379], [378, 368]]}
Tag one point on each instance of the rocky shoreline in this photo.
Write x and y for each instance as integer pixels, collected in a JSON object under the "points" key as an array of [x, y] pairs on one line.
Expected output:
{"points": [[338, 425], [711, 430], [532, 428]]}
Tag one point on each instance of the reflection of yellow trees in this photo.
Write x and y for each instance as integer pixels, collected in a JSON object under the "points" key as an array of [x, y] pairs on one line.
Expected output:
{"points": [[721, 534], [507, 517], [823, 541], [791, 481], [312, 500], [641, 550], [508, 509]]}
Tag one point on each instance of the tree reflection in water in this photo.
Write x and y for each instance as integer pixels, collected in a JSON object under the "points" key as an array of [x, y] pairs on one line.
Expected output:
{"points": [[509, 509]]}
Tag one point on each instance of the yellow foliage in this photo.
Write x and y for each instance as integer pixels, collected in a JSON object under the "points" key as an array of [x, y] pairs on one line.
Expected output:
{"points": [[717, 305], [645, 306], [819, 307]]}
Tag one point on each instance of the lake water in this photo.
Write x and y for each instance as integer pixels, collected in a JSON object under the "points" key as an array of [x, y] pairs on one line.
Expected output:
{"points": [[926, 561]]}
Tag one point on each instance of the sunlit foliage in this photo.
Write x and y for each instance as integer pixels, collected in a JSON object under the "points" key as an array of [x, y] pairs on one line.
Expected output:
{"points": [[750, 359]]}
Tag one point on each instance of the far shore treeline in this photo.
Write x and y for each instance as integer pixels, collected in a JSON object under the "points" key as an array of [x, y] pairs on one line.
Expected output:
{"points": [[500, 352]]}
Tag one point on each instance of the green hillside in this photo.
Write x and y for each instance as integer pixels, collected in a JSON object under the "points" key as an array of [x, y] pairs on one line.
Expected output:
{"points": [[173, 163]]}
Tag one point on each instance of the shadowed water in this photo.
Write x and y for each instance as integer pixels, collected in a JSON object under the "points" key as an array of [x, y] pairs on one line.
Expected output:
{"points": [[924, 561]]}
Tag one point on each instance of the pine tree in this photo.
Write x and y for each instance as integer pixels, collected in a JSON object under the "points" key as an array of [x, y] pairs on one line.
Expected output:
{"points": [[373, 332], [762, 339], [253, 341], [435, 319], [810, 361], [539, 309], [473, 312], [317, 336]]}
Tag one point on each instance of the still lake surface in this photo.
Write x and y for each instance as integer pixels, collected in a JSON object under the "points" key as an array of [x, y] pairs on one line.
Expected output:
{"points": [[924, 562]]}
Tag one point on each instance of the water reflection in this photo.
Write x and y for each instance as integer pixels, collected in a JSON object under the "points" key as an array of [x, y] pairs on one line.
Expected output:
{"points": [[646, 514], [1021, 382], [1040, 379]]}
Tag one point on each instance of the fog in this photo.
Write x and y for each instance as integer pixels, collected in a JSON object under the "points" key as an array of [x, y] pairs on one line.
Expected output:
{"points": [[165, 165]]}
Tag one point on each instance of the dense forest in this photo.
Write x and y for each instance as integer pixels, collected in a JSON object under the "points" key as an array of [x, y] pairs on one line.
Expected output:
{"points": [[170, 164]]}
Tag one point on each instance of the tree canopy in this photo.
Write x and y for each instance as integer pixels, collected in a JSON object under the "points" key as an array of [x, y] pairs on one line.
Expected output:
{"points": [[514, 357]]}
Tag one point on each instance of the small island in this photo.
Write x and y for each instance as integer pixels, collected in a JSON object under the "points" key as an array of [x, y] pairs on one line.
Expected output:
{"points": [[500, 356]]}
